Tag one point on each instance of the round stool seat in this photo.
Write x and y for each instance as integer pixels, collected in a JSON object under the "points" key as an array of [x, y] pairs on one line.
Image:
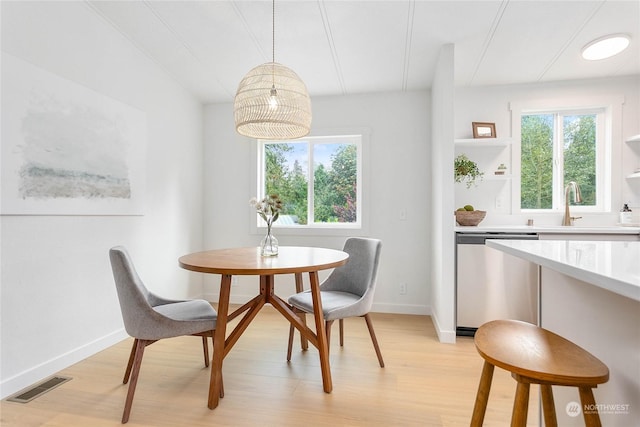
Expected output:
{"points": [[535, 353]]}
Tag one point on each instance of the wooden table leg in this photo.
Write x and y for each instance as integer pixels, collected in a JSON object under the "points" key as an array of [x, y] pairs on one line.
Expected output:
{"points": [[299, 288], [323, 347], [218, 343]]}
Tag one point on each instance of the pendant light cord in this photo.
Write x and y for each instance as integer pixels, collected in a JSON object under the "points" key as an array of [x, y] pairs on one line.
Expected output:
{"points": [[273, 47]]}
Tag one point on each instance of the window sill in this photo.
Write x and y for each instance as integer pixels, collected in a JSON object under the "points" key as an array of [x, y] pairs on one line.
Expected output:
{"points": [[314, 231]]}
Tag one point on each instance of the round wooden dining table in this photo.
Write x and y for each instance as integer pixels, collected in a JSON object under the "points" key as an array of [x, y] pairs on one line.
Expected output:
{"points": [[248, 261]]}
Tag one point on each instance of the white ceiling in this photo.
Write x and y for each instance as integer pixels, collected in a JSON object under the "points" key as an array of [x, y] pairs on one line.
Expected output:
{"points": [[348, 47]]}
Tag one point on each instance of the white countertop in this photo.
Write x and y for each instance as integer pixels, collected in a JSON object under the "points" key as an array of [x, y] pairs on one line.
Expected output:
{"points": [[614, 266], [554, 229]]}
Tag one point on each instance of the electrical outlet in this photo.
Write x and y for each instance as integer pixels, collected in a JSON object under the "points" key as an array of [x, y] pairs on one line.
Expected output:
{"points": [[403, 215], [403, 288], [234, 280], [499, 202]]}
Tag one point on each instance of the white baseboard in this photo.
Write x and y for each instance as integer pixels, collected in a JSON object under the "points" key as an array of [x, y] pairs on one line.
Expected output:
{"points": [[16, 383], [377, 308], [444, 336], [401, 309], [233, 299]]}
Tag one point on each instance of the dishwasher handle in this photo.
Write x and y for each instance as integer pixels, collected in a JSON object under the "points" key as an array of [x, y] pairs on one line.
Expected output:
{"points": [[480, 238]]}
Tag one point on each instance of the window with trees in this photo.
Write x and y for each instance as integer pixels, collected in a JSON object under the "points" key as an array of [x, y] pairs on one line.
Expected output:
{"points": [[318, 180], [558, 147]]}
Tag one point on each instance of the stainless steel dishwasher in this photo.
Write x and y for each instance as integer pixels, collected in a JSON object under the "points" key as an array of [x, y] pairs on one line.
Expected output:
{"points": [[493, 285]]}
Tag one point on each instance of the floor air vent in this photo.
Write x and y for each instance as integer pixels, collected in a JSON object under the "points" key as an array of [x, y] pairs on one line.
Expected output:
{"points": [[31, 393]]}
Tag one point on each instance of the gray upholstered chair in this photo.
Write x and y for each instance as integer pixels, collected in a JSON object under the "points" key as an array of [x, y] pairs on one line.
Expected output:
{"points": [[347, 292], [149, 318]]}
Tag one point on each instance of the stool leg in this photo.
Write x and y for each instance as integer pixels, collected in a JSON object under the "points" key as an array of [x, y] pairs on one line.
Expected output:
{"points": [[592, 418], [520, 405], [548, 405], [482, 397]]}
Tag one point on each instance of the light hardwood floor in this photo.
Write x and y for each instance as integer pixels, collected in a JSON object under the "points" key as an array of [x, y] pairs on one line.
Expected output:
{"points": [[424, 383]]}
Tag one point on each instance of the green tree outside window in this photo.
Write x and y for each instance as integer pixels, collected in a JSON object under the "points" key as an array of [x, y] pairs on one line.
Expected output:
{"points": [[334, 179], [577, 157]]}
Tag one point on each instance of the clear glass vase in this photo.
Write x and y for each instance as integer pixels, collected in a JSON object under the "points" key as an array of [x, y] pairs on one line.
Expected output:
{"points": [[269, 244]]}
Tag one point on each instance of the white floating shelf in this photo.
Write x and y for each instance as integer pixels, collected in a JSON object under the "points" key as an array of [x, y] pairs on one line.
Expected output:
{"points": [[634, 175], [487, 178], [494, 177], [483, 142]]}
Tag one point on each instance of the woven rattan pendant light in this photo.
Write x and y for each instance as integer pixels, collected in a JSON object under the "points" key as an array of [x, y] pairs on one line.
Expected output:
{"points": [[272, 101]]}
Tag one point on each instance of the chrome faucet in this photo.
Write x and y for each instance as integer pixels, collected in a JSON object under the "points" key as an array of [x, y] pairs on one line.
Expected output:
{"points": [[577, 198]]}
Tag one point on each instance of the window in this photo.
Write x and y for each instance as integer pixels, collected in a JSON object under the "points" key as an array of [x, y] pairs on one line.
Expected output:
{"points": [[327, 194], [558, 147]]}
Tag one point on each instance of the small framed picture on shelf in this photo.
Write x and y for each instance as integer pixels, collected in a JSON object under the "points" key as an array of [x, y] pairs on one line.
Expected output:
{"points": [[483, 130]]}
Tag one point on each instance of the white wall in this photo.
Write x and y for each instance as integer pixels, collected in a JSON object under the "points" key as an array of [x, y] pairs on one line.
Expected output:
{"points": [[58, 299], [442, 246], [492, 104], [396, 178]]}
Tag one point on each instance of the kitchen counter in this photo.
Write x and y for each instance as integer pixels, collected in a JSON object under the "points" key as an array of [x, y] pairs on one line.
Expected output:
{"points": [[589, 293], [552, 229], [614, 266]]}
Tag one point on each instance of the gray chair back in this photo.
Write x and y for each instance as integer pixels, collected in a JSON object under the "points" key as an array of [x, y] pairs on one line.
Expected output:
{"points": [[358, 275], [140, 320]]}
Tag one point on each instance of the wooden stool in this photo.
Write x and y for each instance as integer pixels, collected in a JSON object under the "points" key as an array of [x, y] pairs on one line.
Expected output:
{"points": [[535, 356]]}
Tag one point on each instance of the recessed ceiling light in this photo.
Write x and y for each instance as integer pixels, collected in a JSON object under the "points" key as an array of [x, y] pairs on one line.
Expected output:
{"points": [[605, 47]]}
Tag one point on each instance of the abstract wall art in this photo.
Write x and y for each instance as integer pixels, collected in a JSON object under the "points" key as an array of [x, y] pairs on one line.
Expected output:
{"points": [[67, 149]]}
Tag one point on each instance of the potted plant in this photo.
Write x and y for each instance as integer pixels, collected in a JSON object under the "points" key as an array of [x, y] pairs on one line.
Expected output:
{"points": [[466, 170]]}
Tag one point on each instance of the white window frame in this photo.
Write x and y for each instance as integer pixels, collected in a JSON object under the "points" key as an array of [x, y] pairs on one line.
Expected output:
{"points": [[558, 202], [360, 137], [609, 128]]}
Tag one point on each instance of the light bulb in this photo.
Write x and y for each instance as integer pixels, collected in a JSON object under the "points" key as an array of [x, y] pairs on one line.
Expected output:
{"points": [[273, 100]]}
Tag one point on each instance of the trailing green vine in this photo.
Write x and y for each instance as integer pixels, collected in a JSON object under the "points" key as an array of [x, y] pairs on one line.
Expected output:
{"points": [[466, 170]]}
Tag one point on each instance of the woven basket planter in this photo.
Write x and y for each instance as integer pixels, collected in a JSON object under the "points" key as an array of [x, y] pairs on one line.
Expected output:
{"points": [[470, 217]]}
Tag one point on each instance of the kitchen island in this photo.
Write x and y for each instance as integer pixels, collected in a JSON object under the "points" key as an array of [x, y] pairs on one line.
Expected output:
{"points": [[605, 230], [589, 292]]}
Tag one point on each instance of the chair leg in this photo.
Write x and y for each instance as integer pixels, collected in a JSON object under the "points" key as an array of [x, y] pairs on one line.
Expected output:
{"points": [[482, 397], [127, 372], [205, 347], [327, 328], [520, 405], [290, 345], [135, 371], [367, 318], [591, 416], [221, 386], [548, 406], [341, 332], [304, 343]]}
